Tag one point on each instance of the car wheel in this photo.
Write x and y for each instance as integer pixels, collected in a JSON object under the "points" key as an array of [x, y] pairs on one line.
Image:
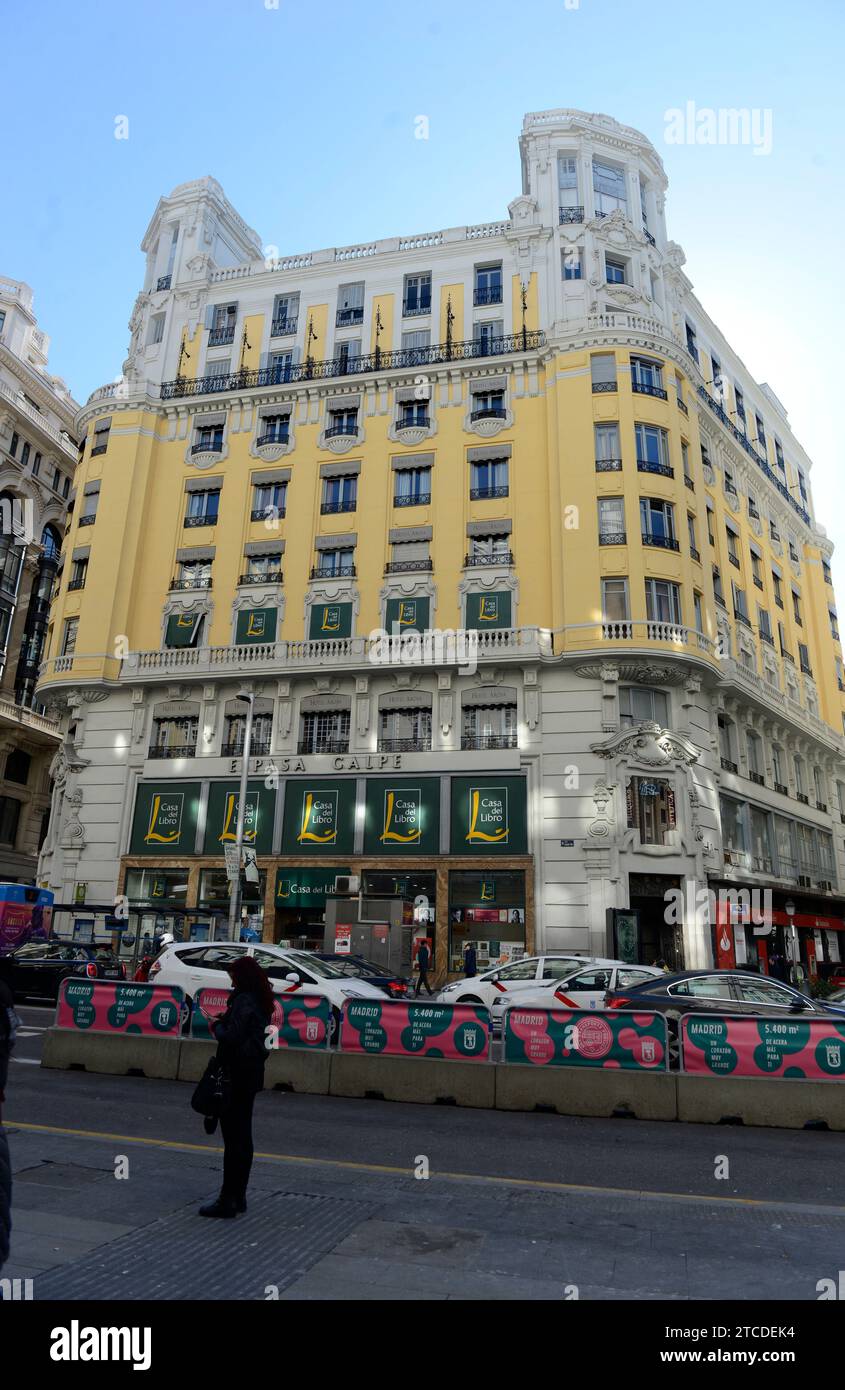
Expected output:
{"points": [[186, 1009], [334, 1027], [673, 1035], [468, 999]]}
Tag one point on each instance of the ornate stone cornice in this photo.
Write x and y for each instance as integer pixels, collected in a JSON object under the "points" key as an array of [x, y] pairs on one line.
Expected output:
{"points": [[649, 745]]}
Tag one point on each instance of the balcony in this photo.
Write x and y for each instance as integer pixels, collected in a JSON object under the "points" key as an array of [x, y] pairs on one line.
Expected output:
{"points": [[734, 560], [741, 617], [258, 748], [163, 282], [599, 387], [613, 538], [414, 421], [196, 521], [408, 566], [174, 750], [481, 743], [87, 519], [346, 317], [323, 745], [664, 469], [803, 798], [767, 638], [411, 308], [215, 447], [280, 328], [420, 499], [333, 572], [758, 778], [488, 412], [482, 494], [757, 581], [608, 465], [643, 388], [75, 584], [186, 585], [682, 405], [781, 788], [268, 577], [98, 449], [268, 513], [728, 766], [334, 508], [573, 214], [648, 236], [420, 744], [503, 557], [742, 439], [662, 542], [492, 294], [218, 337], [695, 555], [334, 431], [688, 482], [821, 806], [280, 437], [806, 668], [312, 370]]}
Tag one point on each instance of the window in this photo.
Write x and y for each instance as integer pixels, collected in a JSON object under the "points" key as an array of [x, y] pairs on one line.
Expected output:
{"points": [[326, 731], [36, 465], [567, 185], [572, 263], [265, 567], [615, 271], [491, 547], [718, 591], [647, 376], [603, 371], [340, 494], [779, 459], [796, 606], [697, 609], [416, 338], [487, 337], [350, 304], [755, 753], [640, 704], [268, 500], [740, 604], [733, 552], [413, 414], [234, 734], [764, 624], [691, 536], [18, 765], [652, 449], [10, 811], [611, 520], [488, 405], [339, 561], [15, 441], [818, 787], [51, 541], [273, 429], [156, 329], [650, 805], [412, 487], [57, 477], [710, 535], [78, 574], [25, 451], [417, 296], [348, 355], [692, 346], [777, 589], [761, 431], [342, 422], [489, 726], [69, 636], [285, 314], [740, 408], [804, 658], [756, 569], [404, 730], [489, 479], [614, 600], [607, 445], [281, 367], [174, 737], [222, 327], [609, 192], [194, 574], [209, 439], [101, 437], [663, 601], [202, 507], [657, 521], [643, 205], [218, 367], [488, 284]]}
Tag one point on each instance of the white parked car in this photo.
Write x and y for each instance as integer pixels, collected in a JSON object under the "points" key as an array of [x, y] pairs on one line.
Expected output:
{"points": [[202, 965], [582, 988], [492, 984]]}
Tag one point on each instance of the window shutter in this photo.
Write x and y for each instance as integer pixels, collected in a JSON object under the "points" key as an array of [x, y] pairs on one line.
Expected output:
{"points": [[209, 315]]}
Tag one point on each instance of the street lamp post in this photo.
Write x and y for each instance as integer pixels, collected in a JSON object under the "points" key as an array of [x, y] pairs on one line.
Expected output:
{"points": [[789, 909], [235, 895]]}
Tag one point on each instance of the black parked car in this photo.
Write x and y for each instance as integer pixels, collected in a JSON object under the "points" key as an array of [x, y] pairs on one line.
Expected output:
{"points": [[37, 969], [363, 969]]}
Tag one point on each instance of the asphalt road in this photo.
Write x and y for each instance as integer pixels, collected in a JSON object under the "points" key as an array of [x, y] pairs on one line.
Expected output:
{"points": [[619, 1189]]}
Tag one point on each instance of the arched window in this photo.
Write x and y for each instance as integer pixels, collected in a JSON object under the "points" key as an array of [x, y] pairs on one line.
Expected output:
{"points": [[51, 541]]}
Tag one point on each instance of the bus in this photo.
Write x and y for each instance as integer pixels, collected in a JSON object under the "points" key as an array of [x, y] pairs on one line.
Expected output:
{"points": [[25, 915]]}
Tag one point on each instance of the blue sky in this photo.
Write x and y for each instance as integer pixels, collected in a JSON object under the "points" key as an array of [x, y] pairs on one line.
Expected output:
{"points": [[305, 114]]}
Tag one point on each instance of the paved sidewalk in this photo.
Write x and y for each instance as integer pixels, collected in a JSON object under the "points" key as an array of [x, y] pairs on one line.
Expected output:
{"points": [[323, 1231]]}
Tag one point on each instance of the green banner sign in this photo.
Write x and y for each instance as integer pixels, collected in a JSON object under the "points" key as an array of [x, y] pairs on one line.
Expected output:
{"points": [[165, 819], [256, 625], [330, 620], [489, 815], [306, 888], [222, 819], [402, 817], [488, 610], [406, 615], [586, 1038], [181, 629], [319, 817]]}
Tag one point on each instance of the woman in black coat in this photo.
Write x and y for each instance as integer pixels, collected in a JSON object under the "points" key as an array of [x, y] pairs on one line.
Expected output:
{"points": [[242, 1049]]}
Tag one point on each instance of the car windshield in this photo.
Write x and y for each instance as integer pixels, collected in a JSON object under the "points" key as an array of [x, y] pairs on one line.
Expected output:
{"points": [[322, 968], [39, 950]]}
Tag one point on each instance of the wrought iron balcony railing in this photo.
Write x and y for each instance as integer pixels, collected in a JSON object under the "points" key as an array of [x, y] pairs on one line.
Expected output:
{"points": [[662, 542], [491, 294], [419, 499], [163, 282], [98, 449], [664, 469], [601, 386], [481, 494], [573, 214], [613, 538], [332, 508], [345, 317], [646, 389], [608, 465], [414, 422], [313, 370], [174, 750], [502, 557], [407, 566], [334, 430], [268, 577], [481, 742], [87, 518], [207, 520], [489, 412], [215, 447], [420, 744], [333, 572], [413, 309], [323, 745], [280, 328], [75, 584], [181, 585], [218, 337], [277, 437], [258, 748], [268, 513]]}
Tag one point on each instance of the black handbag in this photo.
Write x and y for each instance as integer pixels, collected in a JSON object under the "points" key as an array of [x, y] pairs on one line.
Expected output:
{"points": [[213, 1091]]}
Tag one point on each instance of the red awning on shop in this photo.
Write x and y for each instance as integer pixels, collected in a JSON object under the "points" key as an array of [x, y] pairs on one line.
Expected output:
{"points": [[813, 920]]}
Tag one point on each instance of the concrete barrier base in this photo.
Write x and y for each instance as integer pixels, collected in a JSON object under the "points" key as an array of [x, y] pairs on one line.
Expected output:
{"points": [[583, 1091], [114, 1054], [772, 1101], [299, 1069], [419, 1080]]}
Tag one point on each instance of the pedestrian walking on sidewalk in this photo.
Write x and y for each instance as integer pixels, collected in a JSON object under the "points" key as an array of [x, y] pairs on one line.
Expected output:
{"points": [[242, 1051], [423, 962], [470, 961], [8, 1025]]}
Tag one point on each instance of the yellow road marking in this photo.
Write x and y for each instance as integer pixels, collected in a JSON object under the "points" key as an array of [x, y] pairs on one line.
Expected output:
{"points": [[396, 1171]]}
